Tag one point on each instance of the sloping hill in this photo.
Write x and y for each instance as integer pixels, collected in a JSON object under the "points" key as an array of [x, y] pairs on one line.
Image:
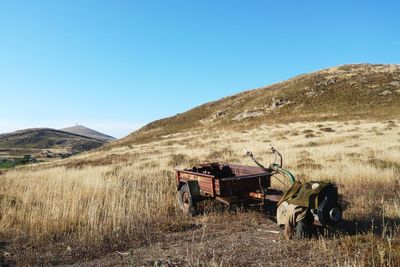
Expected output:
{"points": [[137, 181], [84, 131], [33, 141], [344, 92]]}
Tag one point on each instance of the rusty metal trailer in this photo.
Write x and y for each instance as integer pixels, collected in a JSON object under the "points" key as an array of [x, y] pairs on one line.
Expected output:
{"points": [[303, 205], [230, 184]]}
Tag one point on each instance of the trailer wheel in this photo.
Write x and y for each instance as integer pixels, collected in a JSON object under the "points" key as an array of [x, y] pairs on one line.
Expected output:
{"points": [[304, 229], [186, 202]]}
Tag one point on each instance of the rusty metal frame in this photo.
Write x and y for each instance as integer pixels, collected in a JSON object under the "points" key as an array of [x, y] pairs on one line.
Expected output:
{"points": [[246, 176]]}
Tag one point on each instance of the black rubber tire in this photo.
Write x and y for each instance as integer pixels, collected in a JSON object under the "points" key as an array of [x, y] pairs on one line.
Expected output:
{"points": [[304, 229], [186, 202]]}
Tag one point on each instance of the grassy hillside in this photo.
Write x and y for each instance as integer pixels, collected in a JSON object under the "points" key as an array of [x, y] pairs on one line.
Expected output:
{"points": [[357, 91], [119, 206], [43, 142]]}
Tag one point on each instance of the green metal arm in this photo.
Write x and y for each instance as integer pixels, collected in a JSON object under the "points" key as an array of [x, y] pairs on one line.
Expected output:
{"points": [[274, 166], [284, 172]]}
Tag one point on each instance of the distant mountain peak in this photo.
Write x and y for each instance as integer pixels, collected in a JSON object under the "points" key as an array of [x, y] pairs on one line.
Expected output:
{"points": [[85, 131]]}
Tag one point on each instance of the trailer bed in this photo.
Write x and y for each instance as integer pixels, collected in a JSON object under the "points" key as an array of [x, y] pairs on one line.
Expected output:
{"points": [[226, 180]]}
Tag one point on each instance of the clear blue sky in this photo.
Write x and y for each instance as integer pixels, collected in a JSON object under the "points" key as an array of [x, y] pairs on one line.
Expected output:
{"points": [[116, 65]]}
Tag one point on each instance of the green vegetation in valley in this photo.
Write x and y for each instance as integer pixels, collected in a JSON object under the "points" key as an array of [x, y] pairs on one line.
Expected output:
{"points": [[11, 163]]}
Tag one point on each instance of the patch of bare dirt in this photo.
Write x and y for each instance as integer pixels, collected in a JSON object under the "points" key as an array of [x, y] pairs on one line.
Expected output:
{"points": [[215, 239], [238, 239]]}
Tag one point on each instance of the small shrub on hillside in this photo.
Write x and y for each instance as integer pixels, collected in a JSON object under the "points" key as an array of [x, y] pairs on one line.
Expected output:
{"points": [[308, 163], [354, 155], [310, 135], [327, 130], [355, 129], [390, 125]]}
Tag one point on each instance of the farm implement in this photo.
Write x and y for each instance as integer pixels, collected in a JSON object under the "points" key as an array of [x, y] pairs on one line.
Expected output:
{"points": [[300, 210]]}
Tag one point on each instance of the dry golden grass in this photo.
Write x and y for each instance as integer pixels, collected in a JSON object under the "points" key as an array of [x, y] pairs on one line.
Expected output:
{"points": [[128, 192]]}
